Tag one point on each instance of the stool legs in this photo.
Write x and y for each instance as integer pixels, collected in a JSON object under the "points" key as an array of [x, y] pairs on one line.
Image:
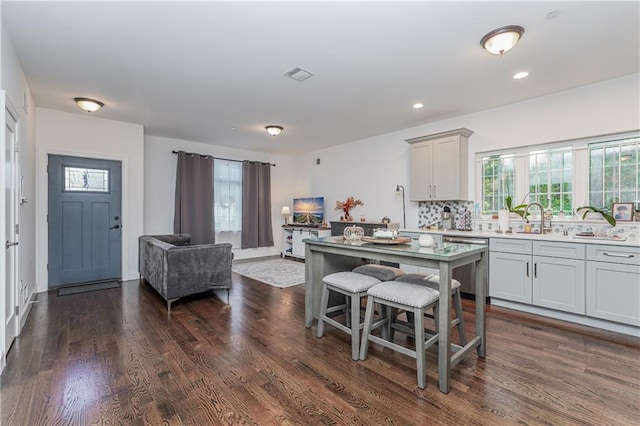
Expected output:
{"points": [[420, 349], [324, 301], [368, 320], [457, 303], [355, 326]]}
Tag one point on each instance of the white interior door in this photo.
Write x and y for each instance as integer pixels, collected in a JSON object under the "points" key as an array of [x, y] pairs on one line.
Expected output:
{"points": [[11, 231]]}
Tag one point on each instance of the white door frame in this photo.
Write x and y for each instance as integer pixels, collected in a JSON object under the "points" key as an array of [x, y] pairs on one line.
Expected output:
{"points": [[9, 110]]}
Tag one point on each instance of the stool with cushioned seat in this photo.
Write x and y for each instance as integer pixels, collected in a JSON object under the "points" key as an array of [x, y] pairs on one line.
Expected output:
{"points": [[353, 286], [408, 297], [433, 281]]}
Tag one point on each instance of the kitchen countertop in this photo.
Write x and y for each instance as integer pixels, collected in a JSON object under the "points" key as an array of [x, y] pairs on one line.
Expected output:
{"points": [[521, 236]]}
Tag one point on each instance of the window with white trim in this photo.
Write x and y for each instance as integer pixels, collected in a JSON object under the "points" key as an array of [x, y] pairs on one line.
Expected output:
{"points": [[227, 201], [497, 181], [550, 178], [614, 172], [563, 176]]}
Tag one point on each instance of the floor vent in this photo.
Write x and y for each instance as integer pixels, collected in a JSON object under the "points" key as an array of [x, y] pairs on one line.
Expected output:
{"points": [[298, 74]]}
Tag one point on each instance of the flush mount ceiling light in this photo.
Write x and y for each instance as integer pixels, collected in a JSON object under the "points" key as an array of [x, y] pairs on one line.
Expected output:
{"points": [[521, 74], [89, 105], [417, 105], [274, 130], [501, 40]]}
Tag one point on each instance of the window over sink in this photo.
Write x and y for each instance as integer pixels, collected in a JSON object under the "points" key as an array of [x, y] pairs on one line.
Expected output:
{"points": [[563, 176]]}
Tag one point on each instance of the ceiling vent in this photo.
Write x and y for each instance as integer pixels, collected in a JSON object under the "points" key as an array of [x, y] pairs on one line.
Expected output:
{"points": [[298, 74]]}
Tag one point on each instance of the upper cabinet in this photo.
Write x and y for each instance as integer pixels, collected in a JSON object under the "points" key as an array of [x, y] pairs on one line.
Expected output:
{"points": [[439, 166]]}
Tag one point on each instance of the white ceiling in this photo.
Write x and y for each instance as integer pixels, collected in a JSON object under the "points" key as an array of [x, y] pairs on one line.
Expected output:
{"points": [[213, 71]]}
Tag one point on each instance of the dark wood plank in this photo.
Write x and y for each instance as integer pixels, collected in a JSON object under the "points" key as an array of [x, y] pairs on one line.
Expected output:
{"points": [[116, 357]]}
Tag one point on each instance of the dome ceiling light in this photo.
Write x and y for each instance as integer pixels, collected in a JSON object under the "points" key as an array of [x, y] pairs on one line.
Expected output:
{"points": [[89, 105], [274, 130], [501, 40]]}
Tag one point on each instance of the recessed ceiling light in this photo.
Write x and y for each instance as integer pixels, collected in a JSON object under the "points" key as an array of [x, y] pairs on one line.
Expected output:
{"points": [[417, 105], [521, 74], [552, 15]]}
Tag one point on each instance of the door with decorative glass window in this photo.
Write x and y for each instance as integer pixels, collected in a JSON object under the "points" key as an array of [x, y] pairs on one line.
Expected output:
{"points": [[84, 220]]}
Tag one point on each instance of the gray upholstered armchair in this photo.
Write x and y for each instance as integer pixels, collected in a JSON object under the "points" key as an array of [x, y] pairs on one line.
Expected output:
{"points": [[176, 269]]}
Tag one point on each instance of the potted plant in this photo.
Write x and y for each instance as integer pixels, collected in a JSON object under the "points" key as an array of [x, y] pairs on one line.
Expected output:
{"points": [[519, 209], [588, 212]]}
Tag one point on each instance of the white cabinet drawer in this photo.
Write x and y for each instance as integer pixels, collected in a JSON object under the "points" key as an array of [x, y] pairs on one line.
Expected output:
{"points": [[508, 245], [614, 254], [555, 249]]}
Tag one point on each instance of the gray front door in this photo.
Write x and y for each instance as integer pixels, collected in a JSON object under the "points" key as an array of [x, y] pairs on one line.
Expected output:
{"points": [[85, 223]]}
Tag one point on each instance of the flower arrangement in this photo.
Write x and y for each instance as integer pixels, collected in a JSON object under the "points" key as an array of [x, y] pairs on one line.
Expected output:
{"points": [[346, 206]]}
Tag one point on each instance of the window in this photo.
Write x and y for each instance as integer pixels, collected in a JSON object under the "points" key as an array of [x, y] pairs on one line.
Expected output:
{"points": [[227, 200], [550, 179], [563, 176], [614, 172], [79, 179], [497, 181]]}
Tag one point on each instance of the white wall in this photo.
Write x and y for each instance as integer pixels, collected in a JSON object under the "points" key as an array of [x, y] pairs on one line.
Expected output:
{"points": [[18, 94], [370, 168], [160, 180], [83, 135]]}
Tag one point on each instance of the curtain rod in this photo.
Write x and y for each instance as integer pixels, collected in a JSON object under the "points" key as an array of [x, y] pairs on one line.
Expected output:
{"points": [[220, 158]]}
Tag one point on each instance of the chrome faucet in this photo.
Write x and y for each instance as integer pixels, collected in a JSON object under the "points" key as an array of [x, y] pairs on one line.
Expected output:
{"points": [[544, 227]]}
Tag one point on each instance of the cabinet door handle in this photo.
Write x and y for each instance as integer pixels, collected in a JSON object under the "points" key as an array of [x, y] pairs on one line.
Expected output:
{"points": [[535, 270], [434, 191], [627, 256], [527, 269], [429, 191]]}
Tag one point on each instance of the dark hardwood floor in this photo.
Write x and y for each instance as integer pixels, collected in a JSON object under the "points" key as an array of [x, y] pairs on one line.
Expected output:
{"points": [[116, 357]]}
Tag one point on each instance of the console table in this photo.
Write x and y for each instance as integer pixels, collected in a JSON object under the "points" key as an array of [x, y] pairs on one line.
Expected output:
{"points": [[332, 254], [337, 228]]}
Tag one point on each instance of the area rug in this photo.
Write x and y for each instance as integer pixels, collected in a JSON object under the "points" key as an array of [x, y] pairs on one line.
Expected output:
{"points": [[84, 288], [276, 272]]}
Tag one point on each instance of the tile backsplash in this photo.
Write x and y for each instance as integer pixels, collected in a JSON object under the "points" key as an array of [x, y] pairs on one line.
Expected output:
{"points": [[430, 213]]}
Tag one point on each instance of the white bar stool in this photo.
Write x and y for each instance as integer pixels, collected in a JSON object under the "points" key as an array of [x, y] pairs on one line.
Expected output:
{"points": [[411, 298]]}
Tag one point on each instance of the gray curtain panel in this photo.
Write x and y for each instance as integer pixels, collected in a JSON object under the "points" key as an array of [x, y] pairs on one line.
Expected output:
{"points": [[194, 198], [257, 230]]}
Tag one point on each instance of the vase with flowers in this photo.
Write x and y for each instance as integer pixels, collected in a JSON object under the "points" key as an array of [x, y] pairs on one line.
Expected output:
{"points": [[346, 207]]}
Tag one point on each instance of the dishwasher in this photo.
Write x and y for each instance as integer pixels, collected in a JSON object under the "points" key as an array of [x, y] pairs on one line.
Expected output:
{"points": [[466, 274]]}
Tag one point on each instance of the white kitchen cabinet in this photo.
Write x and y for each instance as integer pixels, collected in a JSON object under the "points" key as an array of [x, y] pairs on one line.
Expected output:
{"points": [[510, 276], [558, 283], [439, 166], [613, 283], [293, 237], [539, 273]]}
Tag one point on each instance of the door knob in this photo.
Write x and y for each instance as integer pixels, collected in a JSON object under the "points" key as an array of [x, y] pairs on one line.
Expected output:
{"points": [[9, 244], [115, 227]]}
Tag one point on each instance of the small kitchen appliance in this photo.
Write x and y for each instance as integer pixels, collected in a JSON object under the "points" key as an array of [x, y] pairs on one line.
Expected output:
{"points": [[447, 218]]}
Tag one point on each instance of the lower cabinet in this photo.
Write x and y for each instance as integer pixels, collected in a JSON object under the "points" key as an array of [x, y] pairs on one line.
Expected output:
{"points": [[293, 239], [613, 284], [510, 276], [559, 284], [551, 282], [592, 280]]}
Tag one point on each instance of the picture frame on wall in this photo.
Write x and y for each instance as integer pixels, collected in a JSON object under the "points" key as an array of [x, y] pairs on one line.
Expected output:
{"points": [[622, 212]]}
